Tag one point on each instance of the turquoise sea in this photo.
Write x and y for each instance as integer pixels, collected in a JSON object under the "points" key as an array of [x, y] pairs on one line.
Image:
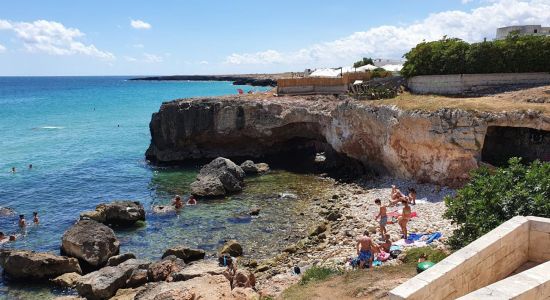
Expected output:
{"points": [[86, 138]]}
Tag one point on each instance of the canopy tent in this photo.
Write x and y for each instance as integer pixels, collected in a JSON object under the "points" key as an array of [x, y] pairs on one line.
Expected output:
{"points": [[326, 73], [392, 68], [365, 68]]}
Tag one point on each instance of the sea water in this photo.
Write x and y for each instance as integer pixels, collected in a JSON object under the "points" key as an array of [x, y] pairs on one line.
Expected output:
{"points": [[86, 138]]}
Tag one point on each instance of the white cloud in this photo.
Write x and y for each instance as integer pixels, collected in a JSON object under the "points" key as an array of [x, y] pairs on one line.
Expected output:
{"points": [[2, 48], [394, 41], [130, 59], [139, 24], [203, 62], [466, 1], [152, 58], [139, 46], [52, 38]]}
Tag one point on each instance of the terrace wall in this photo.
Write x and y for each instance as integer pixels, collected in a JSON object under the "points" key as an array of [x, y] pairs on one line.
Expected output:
{"points": [[473, 83]]}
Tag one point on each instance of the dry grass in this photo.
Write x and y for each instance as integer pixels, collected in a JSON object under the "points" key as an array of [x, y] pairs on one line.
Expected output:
{"points": [[359, 284], [509, 101]]}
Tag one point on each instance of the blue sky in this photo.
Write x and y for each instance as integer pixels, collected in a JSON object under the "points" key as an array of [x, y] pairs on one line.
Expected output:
{"points": [[211, 37]]}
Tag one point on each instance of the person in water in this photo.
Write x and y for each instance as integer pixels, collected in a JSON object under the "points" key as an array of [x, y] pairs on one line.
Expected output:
{"points": [[177, 203], [382, 215], [13, 169], [191, 200], [3, 238], [22, 221], [405, 217], [364, 249], [30, 166], [35, 219]]}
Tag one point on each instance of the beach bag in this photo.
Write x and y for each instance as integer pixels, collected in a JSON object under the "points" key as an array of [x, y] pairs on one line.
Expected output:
{"points": [[423, 266], [395, 253]]}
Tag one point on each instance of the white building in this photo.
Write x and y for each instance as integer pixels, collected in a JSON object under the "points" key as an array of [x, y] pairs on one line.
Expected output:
{"points": [[503, 32]]}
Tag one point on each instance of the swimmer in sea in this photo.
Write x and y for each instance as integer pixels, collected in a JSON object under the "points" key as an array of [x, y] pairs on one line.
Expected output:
{"points": [[13, 170], [177, 203], [191, 200], [35, 219], [22, 221]]}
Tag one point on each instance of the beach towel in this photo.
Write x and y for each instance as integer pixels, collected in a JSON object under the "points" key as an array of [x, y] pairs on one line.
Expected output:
{"points": [[434, 236], [376, 263]]}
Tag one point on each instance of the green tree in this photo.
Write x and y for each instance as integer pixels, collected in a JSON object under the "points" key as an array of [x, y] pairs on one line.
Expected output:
{"points": [[494, 196], [365, 61]]}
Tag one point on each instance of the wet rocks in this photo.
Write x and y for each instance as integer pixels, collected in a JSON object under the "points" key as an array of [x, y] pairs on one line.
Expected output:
{"points": [[232, 248], [254, 211], [163, 270], [6, 212], [218, 178], [119, 213], [23, 264], [105, 282], [251, 168], [91, 242], [185, 253], [118, 259]]}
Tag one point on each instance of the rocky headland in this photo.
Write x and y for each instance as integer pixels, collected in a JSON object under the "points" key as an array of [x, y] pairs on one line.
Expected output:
{"points": [[438, 146], [241, 79]]}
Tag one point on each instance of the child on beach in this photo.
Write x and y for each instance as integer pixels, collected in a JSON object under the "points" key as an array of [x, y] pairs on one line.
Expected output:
{"points": [[382, 215]]}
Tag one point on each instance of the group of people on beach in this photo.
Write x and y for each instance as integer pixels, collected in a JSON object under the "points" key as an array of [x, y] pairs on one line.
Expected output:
{"points": [[366, 247], [178, 203], [22, 225]]}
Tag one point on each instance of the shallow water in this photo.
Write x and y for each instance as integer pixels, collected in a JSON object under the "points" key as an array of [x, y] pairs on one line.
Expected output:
{"points": [[86, 138]]}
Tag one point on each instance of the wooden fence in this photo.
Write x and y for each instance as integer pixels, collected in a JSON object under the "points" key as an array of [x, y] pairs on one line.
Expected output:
{"points": [[346, 79]]}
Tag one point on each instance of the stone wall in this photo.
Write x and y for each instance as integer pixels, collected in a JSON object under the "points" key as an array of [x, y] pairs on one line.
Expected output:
{"points": [[489, 259], [473, 83]]}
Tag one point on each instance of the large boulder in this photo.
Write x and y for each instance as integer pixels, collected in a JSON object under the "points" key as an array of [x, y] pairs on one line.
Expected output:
{"points": [[220, 177], [105, 282], [187, 254], [118, 259], [23, 264], [91, 242], [67, 280], [249, 167], [233, 248], [119, 213], [205, 287], [164, 269]]}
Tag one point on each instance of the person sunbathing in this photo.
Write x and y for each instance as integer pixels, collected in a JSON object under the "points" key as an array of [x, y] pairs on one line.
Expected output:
{"points": [[386, 245], [396, 195]]}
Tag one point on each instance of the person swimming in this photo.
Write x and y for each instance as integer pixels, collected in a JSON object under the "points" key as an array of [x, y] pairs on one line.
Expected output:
{"points": [[35, 219], [22, 221], [13, 170], [177, 203], [30, 166], [191, 200]]}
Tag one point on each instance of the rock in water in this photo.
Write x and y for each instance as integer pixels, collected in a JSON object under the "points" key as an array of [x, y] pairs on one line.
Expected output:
{"points": [[6, 212], [105, 282], [218, 178], [91, 242], [120, 213], [249, 167], [187, 254], [232, 248], [23, 264]]}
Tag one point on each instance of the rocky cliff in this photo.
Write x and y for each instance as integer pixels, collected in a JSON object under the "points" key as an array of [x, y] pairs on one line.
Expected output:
{"points": [[439, 146]]}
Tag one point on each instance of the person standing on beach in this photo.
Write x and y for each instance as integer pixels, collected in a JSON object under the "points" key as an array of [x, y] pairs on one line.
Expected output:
{"points": [[383, 217], [405, 217], [364, 250]]}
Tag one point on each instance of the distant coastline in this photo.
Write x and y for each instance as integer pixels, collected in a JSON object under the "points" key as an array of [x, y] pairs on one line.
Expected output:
{"points": [[241, 79]]}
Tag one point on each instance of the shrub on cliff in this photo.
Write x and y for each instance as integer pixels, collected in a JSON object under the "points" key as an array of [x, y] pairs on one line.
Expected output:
{"points": [[453, 56], [494, 196]]}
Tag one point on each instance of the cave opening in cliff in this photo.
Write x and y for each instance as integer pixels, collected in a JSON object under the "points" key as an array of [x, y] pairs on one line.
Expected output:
{"points": [[300, 147], [502, 143]]}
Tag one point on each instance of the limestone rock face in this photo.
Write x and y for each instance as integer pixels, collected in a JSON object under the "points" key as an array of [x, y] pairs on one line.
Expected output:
{"points": [[90, 242], [121, 213], [439, 146], [118, 259], [23, 264], [187, 254], [105, 282], [198, 269], [232, 248], [220, 177]]}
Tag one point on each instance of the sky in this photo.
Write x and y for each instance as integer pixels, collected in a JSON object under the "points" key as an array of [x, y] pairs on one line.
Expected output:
{"points": [[166, 37]]}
